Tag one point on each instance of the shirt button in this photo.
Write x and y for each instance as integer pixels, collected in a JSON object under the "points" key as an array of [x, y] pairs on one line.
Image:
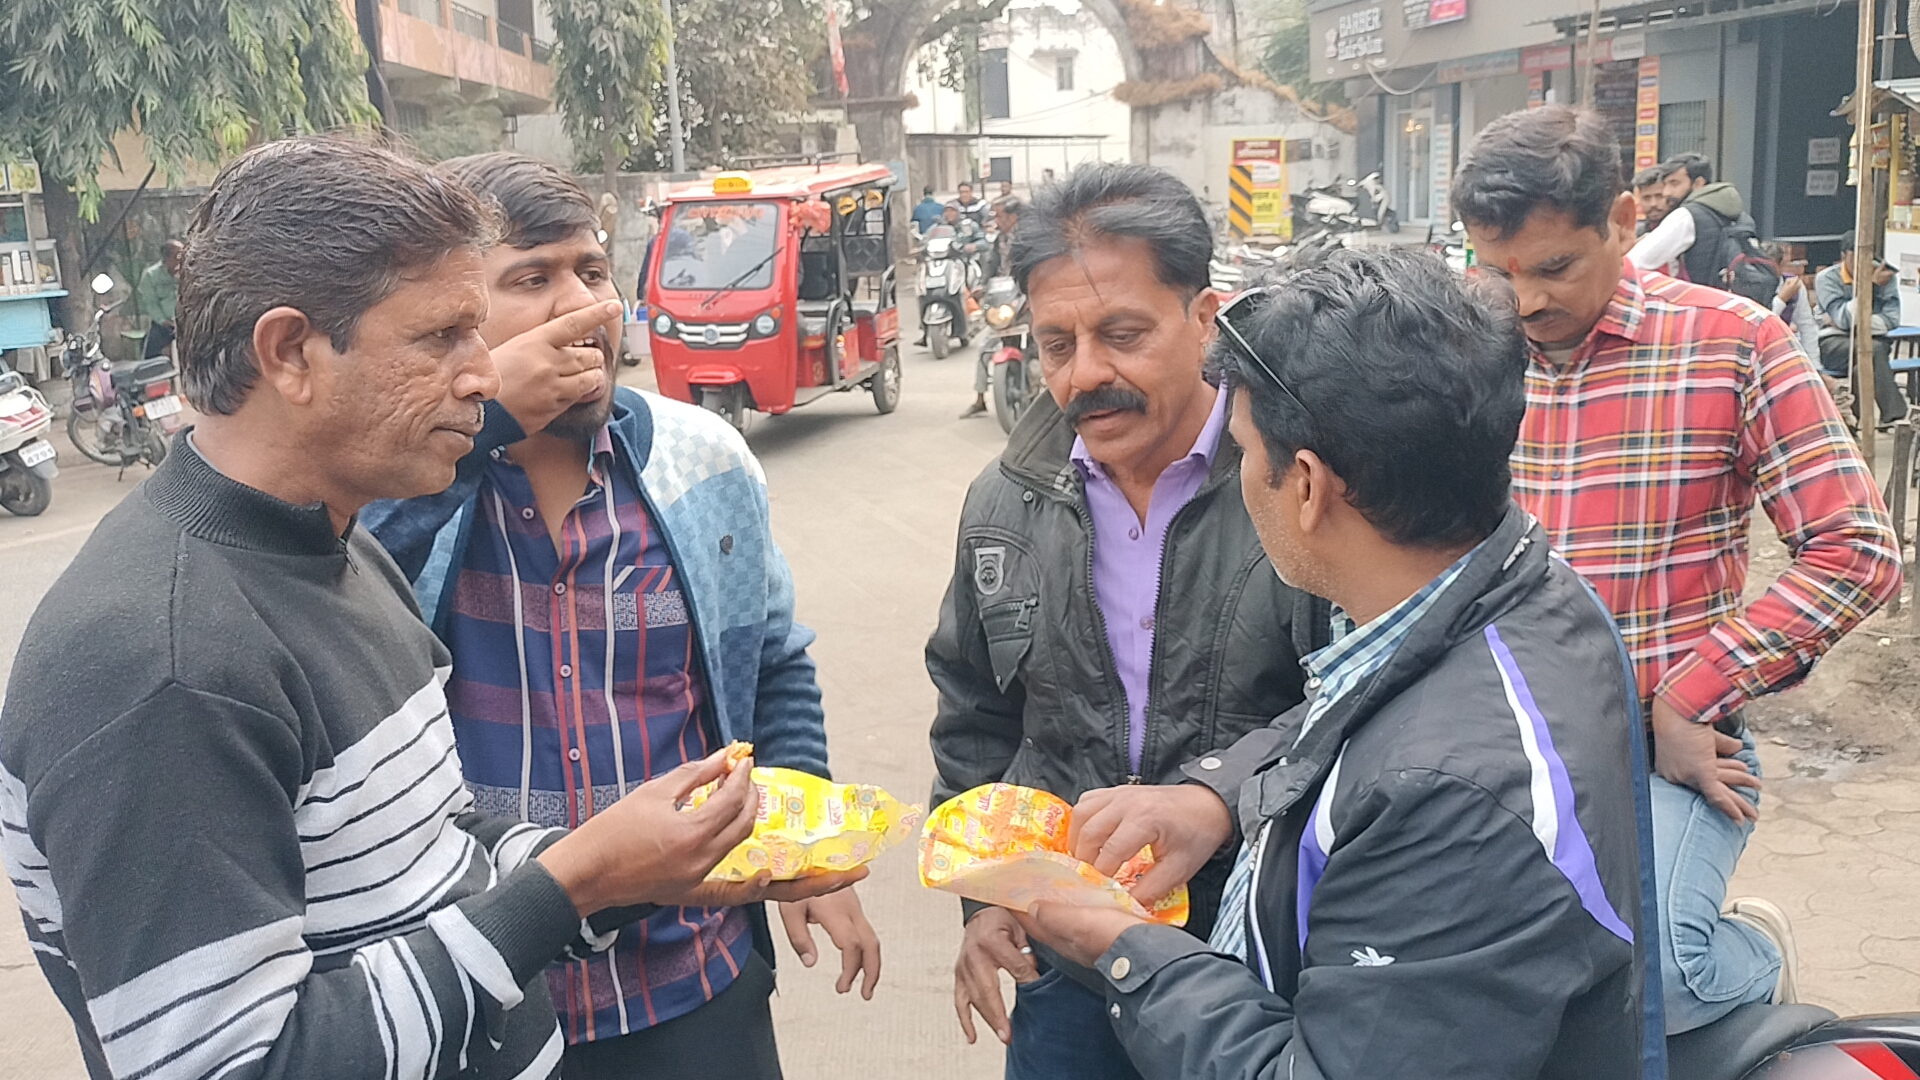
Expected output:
{"points": [[566, 671], [559, 588], [1209, 763], [1120, 967], [1555, 474], [1146, 623], [1133, 533], [573, 753], [1313, 683], [527, 513], [1114, 1012]]}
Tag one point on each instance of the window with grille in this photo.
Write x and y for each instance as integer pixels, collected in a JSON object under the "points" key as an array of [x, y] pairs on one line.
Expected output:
{"points": [[1683, 129], [1063, 73], [422, 9]]}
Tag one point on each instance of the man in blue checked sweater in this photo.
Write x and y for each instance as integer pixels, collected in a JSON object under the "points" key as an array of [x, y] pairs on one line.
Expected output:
{"points": [[251, 853], [605, 576]]}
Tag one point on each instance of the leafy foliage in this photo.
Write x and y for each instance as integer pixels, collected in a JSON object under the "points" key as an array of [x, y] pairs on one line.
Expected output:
{"points": [[1289, 56], [198, 79], [609, 58], [745, 68]]}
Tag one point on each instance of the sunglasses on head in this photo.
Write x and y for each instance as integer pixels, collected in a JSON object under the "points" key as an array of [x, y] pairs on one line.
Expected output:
{"points": [[1240, 307]]}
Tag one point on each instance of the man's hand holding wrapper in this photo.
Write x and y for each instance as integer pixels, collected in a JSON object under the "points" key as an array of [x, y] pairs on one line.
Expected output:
{"points": [[645, 849], [1072, 879]]}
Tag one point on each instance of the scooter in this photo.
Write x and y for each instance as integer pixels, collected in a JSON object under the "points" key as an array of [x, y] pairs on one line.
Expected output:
{"points": [[123, 412], [27, 467], [1797, 1042], [1349, 206], [947, 275], [1012, 359]]}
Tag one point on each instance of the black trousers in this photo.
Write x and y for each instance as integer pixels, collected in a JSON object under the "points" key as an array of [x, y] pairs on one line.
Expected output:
{"points": [[728, 1038], [1836, 358]]}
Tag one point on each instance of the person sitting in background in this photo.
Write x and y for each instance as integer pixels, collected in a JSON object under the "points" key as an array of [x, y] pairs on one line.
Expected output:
{"points": [[999, 263], [1794, 302], [1833, 289], [972, 208], [1650, 192], [926, 212]]}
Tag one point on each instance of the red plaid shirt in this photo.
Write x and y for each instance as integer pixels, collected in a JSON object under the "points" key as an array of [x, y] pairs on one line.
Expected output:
{"points": [[1642, 458]]}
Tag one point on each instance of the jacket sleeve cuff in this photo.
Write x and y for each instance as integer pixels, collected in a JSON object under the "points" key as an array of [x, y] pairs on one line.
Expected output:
{"points": [[1226, 771], [506, 936], [1141, 952], [1697, 691]]}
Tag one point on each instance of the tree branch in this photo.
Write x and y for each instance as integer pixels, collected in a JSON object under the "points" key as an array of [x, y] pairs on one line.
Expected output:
{"points": [[961, 16]]}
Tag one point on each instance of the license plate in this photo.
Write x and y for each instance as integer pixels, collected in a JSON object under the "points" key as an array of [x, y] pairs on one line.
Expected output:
{"points": [[36, 452], [163, 406]]}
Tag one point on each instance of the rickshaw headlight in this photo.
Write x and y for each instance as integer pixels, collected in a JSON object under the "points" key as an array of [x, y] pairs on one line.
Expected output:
{"points": [[999, 315], [663, 324], [765, 325]]}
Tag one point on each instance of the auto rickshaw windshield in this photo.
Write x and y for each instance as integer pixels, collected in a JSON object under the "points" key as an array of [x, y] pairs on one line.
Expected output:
{"points": [[710, 245]]}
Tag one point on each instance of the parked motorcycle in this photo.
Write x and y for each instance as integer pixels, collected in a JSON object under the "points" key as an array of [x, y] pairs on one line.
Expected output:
{"points": [[123, 411], [1450, 246], [1797, 1042], [1013, 360], [947, 276], [27, 467]]}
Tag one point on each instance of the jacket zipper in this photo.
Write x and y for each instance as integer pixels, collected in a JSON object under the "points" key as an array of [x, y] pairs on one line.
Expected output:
{"points": [[1258, 942], [1153, 654]]}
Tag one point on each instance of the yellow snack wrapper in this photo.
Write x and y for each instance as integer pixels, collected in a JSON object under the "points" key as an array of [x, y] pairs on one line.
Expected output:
{"points": [[1007, 845], [806, 825]]}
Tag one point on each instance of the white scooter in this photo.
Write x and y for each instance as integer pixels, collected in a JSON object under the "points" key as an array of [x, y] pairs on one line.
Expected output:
{"points": [[27, 467]]}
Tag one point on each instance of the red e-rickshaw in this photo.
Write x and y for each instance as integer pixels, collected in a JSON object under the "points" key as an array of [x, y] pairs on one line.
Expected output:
{"points": [[768, 289]]}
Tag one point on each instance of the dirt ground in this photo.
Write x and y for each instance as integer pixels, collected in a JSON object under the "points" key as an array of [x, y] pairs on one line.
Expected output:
{"points": [[1861, 703]]}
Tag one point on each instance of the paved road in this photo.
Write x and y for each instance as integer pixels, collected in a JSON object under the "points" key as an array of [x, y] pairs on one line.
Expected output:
{"points": [[866, 507]]}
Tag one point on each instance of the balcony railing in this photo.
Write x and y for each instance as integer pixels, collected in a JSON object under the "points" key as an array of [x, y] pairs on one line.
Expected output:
{"points": [[512, 38], [469, 22], [542, 51], [427, 10]]}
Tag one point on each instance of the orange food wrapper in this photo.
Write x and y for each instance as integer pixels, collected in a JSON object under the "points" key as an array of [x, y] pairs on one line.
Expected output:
{"points": [[1007, 845], [805, 825]]}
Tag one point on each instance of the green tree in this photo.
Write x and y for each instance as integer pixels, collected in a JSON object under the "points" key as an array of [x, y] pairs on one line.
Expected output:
{"points": [[609, 57], [1289, 56], [745, 68], [198, 79]]}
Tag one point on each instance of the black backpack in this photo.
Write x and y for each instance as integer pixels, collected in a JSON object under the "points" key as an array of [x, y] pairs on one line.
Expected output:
{"points": [[1736, 262]]}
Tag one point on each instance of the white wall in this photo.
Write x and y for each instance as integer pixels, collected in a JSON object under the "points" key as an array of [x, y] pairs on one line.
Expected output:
{"points": [[1034, 33]]}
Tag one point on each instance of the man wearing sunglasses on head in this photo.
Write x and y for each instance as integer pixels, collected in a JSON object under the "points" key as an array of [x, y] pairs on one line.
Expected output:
{"points": [[1111, 615], [1444, 879]]}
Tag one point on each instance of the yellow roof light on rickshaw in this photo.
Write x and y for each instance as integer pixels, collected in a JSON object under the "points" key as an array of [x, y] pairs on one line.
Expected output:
{"points": [[732, 183], [875, 197], [848, 204]]}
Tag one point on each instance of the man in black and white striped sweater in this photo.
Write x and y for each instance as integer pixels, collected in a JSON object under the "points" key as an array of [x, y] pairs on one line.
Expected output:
{"points": [[232, 811]]}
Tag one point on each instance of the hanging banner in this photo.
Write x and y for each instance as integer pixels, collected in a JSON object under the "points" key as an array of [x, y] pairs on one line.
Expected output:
{"points": [[1646, 131], [833, 48]]}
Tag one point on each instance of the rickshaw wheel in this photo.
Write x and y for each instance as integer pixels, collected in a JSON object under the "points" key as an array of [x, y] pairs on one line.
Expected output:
{"points": [[885, 383], [730, 402]]}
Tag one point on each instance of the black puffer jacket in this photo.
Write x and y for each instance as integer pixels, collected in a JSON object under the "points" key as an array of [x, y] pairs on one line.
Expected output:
{"points": [[1459, 834], [1029, 693]]}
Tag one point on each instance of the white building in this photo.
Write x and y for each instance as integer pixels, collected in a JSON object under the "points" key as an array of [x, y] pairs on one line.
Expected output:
{"points": [[1047, 73]]}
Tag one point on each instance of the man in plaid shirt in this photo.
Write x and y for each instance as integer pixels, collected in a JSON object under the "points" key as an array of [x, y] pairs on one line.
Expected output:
{"points": [[1657, 411]]}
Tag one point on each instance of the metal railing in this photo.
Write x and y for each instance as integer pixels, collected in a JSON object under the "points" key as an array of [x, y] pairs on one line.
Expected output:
{"points": [[425, 10], [469, 22], [542, 50], [512, 38]]}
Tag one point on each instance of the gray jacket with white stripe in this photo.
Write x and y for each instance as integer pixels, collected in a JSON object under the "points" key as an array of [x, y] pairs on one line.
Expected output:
{"points": [[234, 818], [1447, 876]]}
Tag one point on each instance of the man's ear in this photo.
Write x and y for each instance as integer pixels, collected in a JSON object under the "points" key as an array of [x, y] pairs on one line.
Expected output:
{"points": [[1317, 486], [1621, 221], [281, 338]]}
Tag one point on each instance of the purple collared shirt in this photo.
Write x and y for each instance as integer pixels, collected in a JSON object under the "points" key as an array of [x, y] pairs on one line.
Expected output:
{"points": [[1126, 560]]}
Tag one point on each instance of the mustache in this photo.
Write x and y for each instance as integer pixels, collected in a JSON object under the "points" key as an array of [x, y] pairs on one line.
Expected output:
{"points": [[1103, 399]]}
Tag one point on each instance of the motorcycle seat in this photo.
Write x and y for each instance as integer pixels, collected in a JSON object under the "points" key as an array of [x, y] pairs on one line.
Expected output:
{"points": [[1732, 1045]]}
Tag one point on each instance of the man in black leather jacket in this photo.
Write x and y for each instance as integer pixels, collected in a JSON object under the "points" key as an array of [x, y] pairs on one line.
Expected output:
{"points": [[1111, 614]]}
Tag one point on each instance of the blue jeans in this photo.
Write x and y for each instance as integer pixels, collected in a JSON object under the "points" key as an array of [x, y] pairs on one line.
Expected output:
{"points": [[1708, 965], [1061, 1032]]}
